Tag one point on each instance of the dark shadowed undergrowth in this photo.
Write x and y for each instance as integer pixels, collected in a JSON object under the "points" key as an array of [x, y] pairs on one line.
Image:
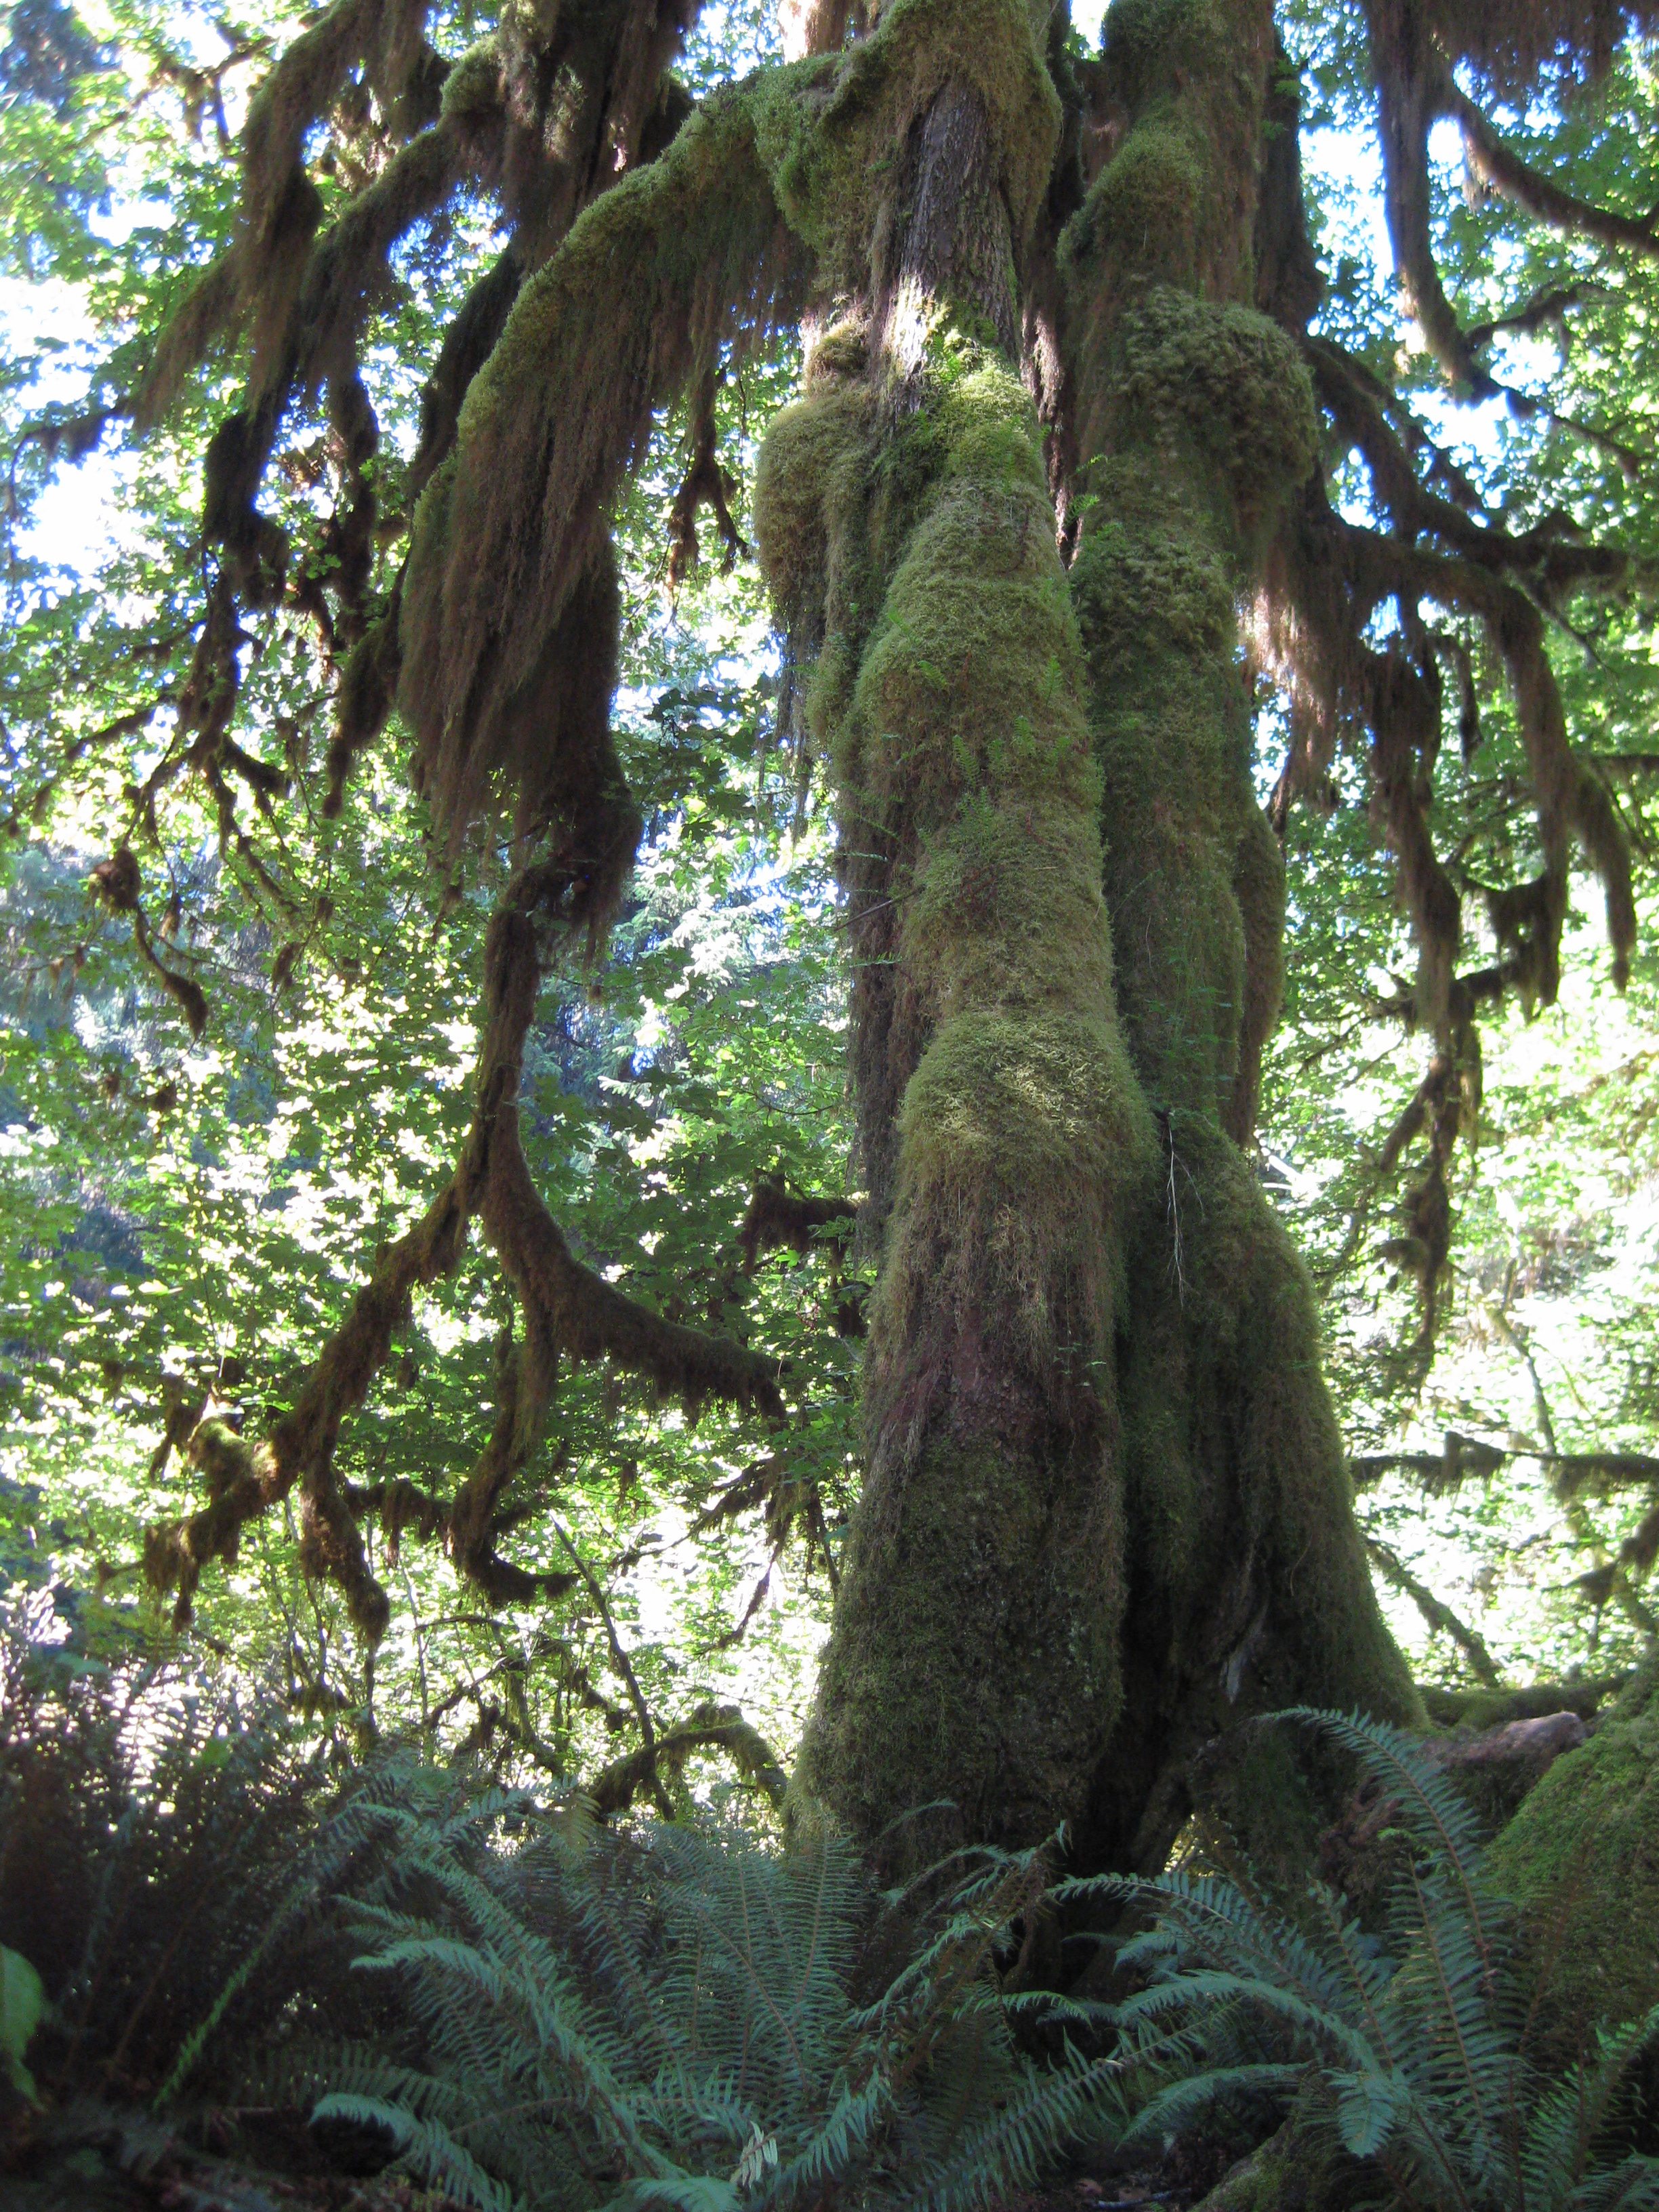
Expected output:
{"points": [[220, 1939]]}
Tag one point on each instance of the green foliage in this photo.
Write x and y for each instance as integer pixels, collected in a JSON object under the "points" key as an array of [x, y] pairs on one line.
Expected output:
{"points": [[163, 1872], [1412, 2053], [22, 2000], [688, 2020]]}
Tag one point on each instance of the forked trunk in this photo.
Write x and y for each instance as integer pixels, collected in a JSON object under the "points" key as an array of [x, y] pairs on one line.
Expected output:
{"points": [[1106, 1507]]}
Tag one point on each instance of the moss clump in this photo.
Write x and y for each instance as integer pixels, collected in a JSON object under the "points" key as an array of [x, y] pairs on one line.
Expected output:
{"points": [[1016, 1134], [1149, 577], [1233, 383], [473, 91], [1581, 1858], [1006, 908], [1155, 191], [812, 466]]}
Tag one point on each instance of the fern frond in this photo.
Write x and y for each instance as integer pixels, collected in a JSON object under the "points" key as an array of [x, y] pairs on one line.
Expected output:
{"points": [[1570, 2118], [1444, 1823], [1631, 2186], [1180, 2102], [427, 2147]]}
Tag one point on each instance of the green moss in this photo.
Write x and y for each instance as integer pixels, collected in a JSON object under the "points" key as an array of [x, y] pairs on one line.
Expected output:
{"points": [[1155, 584], [1166, 208], [974, 1657], [1151, 203], [420, 612], [1290, 2172], [473, 87], [829, 132], [1256, 1804], [1581, 1858], [1231, 382], [974, 1649], [1007, 908], [810, 452], [1019, 1106]]}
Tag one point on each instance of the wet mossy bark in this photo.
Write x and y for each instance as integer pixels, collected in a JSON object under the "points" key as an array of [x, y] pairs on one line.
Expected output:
{"points": [[1106, 1510]]}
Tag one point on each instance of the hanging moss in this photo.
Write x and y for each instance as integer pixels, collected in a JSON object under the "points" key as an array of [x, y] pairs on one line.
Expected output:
{"points": [[665, 268]]}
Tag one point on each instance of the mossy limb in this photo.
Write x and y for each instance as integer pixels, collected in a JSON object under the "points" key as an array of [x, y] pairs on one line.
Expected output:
{"points": [[974, 1652], [1582, 1859]]}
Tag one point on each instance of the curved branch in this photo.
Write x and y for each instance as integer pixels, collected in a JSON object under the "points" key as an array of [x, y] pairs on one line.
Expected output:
{"points": [[566, 1308], [1411, 99], [711, 1728], [1502, 171]]}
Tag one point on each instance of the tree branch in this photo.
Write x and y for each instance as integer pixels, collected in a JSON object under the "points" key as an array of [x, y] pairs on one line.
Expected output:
{"points": [[1502, 171], [711, 1728], [566, 1308], [1439, 1615]]}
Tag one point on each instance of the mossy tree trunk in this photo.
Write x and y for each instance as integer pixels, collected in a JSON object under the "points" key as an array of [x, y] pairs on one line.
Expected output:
{"points": [[1581, 1857], [975, 1652], [1106, 1506], [1247, 1585]]}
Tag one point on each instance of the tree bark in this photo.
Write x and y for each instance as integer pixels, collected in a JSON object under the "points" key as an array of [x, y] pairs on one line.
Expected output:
{"points": [[1106, 1510]]}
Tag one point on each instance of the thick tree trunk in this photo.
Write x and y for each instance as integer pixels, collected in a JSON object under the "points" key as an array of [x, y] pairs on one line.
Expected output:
{"points": [[974, 1652], [1105, 1507]]}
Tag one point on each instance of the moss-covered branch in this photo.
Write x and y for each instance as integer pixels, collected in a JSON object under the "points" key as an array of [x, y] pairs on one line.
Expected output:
{"points": [[567, 1310]]}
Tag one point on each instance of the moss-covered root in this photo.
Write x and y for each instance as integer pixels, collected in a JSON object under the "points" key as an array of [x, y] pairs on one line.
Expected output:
{"points": [[1582, 1857], [974, 1653]]}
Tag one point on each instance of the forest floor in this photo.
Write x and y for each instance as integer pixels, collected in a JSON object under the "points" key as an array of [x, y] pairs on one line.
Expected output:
{"points": [[1112, 2184], [113, 2161]]}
